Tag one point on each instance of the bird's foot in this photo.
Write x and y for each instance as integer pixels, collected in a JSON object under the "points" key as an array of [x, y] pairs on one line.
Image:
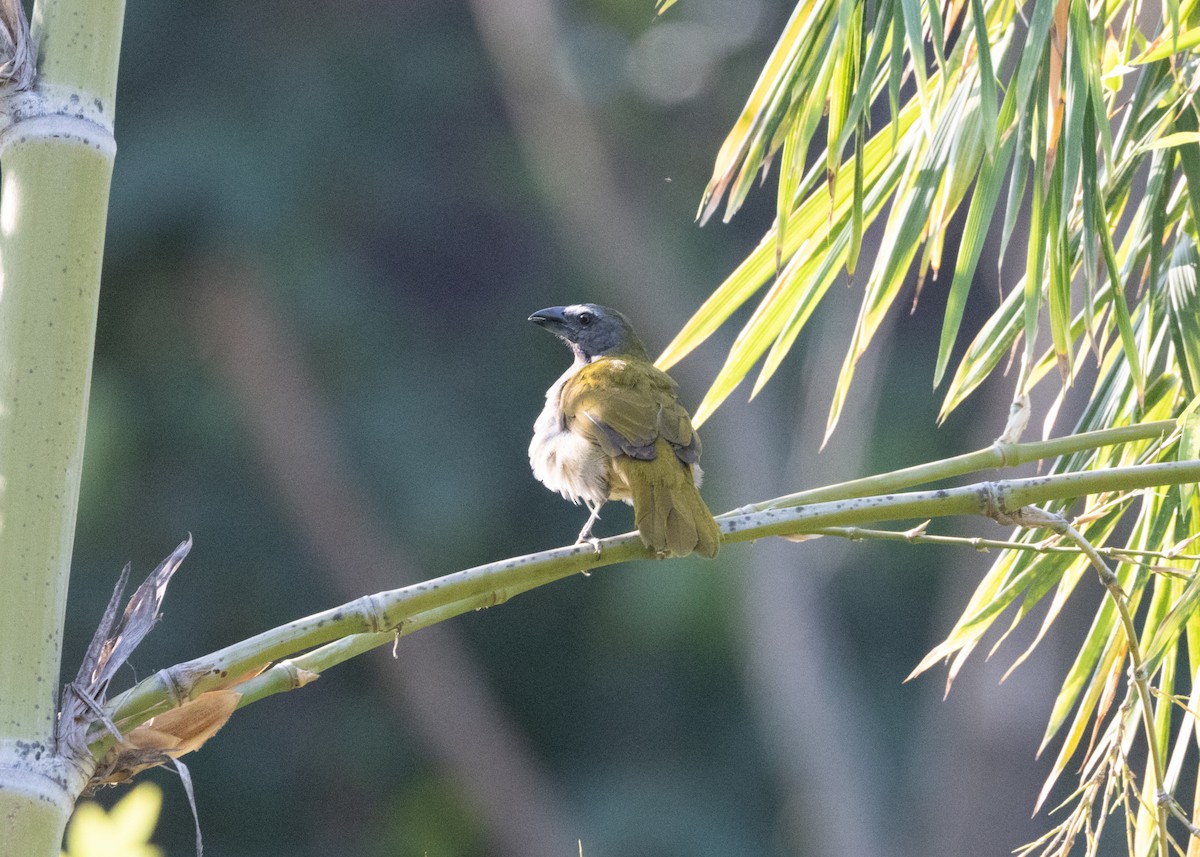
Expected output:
{"points": [[588, 539]]}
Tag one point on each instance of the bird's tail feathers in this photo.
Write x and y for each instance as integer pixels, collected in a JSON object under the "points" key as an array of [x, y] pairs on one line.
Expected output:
{"points": [[671, 516]]}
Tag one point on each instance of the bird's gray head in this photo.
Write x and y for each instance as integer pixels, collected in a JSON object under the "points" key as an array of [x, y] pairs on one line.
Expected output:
{"points": [[592, 331]]}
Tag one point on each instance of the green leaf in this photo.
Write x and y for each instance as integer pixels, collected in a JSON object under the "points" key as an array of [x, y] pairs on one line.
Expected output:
{"points": [[843, 58], [1166, 633], [881, 37], [1059, 279], [896, 65], [1170, 141], [1168, 45], [799, 287], [1183, 301], [987, 76], [1018, 178], [810, 219], [1189, 158], [1038, 238], [856, 211], [937, 34], [1120, 307], [995, 592], [818, 273], [749, 142], [1094, 675], [1035, 48], [991, 345], [979, 216], [910, 11]]}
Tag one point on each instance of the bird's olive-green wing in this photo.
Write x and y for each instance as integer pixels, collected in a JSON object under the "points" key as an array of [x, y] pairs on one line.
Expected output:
{"points": [[625, 406]]}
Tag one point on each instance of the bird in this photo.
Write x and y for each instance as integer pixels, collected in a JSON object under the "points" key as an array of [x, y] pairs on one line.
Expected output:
{"points": [[613, 429]]}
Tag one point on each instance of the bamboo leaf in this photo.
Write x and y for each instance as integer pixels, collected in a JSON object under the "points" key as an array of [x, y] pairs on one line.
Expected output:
{"points": [[747, 142], [810, 219], [1168, 45], [995, 592], [1189, 159], [819, 273], [1085, 681], [1035, 48], [909, 220], [1059, 276], [1173, 15], [844, 62], [1062, 576], [1120, 307], [1033, 273], [987, 77], [910, 11], [1165, 636], [1183, 301], [896, 64], [1089, 182], [791, 300], [990, 346], [1170, 141], [881, 37], [937, 33], [979, 216], [856, 211], [1018, 178]]}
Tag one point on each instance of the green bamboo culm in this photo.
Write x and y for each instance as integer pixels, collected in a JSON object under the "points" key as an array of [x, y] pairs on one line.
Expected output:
{"points": [[56, 161]]}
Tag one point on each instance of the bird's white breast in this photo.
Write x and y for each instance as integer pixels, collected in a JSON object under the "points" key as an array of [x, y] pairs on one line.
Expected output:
{"points": [[564, 461]]}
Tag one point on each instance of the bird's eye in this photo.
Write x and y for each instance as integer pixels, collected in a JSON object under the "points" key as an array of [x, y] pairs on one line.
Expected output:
{"points": [[585, 318]]}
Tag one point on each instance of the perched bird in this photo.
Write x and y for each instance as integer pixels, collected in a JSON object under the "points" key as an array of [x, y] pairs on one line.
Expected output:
{"points": [[613, 429]]}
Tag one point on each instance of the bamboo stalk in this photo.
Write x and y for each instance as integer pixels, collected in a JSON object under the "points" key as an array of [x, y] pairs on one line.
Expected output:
{"points": [[57, 152]]}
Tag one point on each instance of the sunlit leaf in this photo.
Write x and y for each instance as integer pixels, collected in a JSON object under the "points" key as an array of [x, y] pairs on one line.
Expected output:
{"points": [[1169, 44], [987, 76], [1183, 300], [1170, 141]]}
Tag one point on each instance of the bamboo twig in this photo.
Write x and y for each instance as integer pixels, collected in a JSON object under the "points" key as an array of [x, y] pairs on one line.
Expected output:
{"points": [[1036, 518], [917, 536]]}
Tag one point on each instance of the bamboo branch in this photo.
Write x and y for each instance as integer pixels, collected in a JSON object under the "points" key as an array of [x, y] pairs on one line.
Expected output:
{"points": [[374, 620], [999, 454]]}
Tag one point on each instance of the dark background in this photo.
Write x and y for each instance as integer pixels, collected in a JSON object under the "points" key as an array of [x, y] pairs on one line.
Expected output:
{"points": [[329, 222]]}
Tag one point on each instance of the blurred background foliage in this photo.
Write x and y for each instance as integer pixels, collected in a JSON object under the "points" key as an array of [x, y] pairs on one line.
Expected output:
{"points": [[328, 225]]}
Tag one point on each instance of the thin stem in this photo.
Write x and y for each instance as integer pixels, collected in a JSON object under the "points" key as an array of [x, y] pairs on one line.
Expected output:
{"points": [[1163, 800], [917, 536]]}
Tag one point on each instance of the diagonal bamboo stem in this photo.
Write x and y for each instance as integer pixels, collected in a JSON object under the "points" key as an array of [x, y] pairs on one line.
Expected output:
{"points": [[374, 620]]}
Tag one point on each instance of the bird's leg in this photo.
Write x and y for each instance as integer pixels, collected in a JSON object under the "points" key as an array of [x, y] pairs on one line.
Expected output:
{"points": [[585, 535]]}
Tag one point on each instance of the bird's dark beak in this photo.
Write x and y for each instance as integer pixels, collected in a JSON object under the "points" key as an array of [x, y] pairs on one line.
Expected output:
{"points": [[549, 317]]}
